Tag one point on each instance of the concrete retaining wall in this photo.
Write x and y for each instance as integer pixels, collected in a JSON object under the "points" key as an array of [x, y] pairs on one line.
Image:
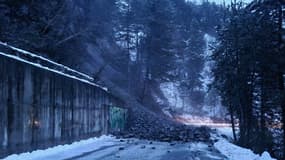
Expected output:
{"points": [[40, 108]]}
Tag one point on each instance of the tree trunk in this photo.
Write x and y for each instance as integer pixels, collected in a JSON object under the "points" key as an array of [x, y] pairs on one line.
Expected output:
{"points": [[262, 127], [282, 92], [233, 123], [281, 64]]}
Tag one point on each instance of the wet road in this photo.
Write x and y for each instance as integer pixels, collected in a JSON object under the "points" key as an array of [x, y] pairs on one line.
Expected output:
{"points": [[145, 150]]}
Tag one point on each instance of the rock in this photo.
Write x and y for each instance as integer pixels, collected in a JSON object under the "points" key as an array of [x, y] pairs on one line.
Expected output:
{"points": [[224, 136], [143, 147], [121, 148], [167, 139], [145, 125]]}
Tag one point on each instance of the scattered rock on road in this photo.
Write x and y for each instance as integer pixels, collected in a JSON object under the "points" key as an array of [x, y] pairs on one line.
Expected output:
{"points": [[146, 125]]}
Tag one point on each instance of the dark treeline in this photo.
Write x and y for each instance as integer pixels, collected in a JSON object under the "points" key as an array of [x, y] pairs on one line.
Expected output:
{"points": [[130, 46], [249, 73]]}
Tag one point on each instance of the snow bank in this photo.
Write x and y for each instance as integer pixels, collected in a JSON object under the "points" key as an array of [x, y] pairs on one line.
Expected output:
{"points": [[227, 131], [59, 152], [234, 152]]}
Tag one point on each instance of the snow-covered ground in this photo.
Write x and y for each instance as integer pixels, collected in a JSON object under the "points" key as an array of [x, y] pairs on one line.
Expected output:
{"points": [[232, 151], [110, 148]]}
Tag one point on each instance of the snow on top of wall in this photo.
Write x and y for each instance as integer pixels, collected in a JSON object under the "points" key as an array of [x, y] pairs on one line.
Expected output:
{"points": [[45, 59], [86, 78]]}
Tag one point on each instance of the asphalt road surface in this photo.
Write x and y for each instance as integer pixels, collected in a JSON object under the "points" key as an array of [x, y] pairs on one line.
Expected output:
{"points": [[146, 150]]}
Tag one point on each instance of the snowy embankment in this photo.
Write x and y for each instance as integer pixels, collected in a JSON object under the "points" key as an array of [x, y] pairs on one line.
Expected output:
{"points": [[234, 152], [65, 151]]}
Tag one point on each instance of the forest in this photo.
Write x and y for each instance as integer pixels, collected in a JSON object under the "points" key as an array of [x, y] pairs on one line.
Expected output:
{"points": [[249, 73]]}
